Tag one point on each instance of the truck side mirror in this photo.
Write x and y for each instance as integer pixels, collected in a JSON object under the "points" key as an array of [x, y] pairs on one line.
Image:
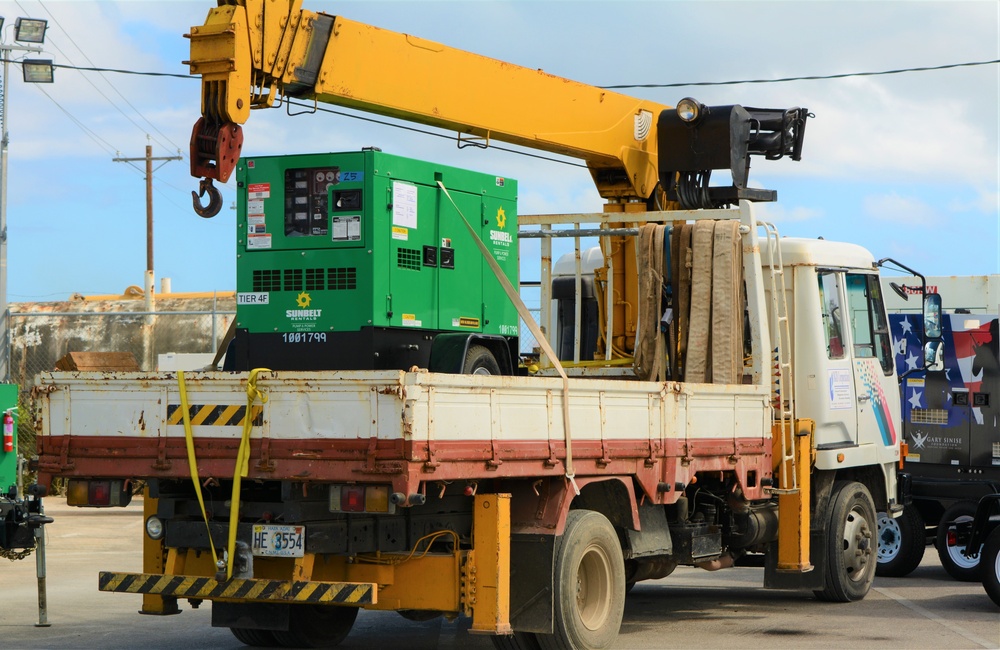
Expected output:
{"points": [[932, 316]]}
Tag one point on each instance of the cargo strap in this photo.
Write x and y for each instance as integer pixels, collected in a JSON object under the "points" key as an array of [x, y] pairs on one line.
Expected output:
{"points": [[342, 593], [242, 462], [536, 331], [192, 461]]}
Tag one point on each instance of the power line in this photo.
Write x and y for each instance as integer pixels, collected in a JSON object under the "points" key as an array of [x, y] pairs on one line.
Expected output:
{"points": [[809, 78], [733, 82], [108, 81]]}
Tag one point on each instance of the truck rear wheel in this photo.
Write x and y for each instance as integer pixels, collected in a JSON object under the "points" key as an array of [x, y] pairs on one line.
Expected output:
{"points": [[589, 598], [255, 638], [317, 626], [901, 543], [515, 641], [850, 550], [957, 565], [990, 559]]}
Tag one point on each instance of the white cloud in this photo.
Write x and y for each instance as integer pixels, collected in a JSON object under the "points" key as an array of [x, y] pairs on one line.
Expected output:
{"points": [[900, 209]]}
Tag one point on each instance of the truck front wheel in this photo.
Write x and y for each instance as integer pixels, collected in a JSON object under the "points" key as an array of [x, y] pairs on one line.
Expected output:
{"points": [[589, 593], [901, 543], [957, 565], [990, 559], [850, 544]]}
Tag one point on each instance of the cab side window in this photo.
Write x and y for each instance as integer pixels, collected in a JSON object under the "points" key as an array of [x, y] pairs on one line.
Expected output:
{"points": [[829, 295], [869, 327]]}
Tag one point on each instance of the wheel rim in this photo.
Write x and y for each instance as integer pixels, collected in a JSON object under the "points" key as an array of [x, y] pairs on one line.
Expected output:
{"points": [[996, 567], [857, 546], [890, 538], [482, 371], [955, 552], [593, 587]]}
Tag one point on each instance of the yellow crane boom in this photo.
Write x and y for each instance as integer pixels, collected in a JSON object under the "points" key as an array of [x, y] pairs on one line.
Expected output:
{"points": [[253, 53]]}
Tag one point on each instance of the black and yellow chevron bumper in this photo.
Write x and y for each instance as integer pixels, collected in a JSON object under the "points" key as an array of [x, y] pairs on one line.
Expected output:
{"points": [[243, 589]]}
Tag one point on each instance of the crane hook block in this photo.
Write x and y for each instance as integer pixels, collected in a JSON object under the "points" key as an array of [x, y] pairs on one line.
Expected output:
{"points": [[214, 199]]}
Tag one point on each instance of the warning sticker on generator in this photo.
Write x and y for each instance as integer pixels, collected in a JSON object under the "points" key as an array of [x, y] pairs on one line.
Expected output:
{"points": [[398, 232], [259, 191], [258, 241]]}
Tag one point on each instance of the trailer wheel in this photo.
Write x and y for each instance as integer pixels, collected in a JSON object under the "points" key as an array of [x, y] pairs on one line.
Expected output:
{"points": [[957, 565], [255, 638], [589, 591], [317, 626], [480, 361], [850, 550], [990, 559], [901, 543]]}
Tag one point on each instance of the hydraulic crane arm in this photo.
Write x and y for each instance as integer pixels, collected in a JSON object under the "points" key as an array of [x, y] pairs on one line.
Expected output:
{"points": [[252, 53]]}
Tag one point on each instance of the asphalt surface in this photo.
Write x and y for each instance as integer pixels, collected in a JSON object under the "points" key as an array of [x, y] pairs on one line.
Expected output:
{"points": [[689, 609]]}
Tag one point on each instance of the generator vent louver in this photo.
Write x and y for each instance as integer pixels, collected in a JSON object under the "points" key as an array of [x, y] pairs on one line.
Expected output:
{"points": [[333, 279], [408, 258]]}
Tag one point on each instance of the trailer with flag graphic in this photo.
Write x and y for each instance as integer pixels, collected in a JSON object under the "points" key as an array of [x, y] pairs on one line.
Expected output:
{"points": [[950, 395]]}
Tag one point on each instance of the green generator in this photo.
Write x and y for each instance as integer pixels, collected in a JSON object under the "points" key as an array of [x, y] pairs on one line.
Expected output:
{"points": [[359, 261]]}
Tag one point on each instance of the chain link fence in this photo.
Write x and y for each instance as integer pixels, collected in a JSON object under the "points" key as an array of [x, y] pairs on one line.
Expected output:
{"points": [[181, 334]]}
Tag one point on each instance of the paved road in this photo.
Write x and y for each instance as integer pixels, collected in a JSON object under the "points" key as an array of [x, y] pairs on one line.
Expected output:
{"points": [[691, 608]]}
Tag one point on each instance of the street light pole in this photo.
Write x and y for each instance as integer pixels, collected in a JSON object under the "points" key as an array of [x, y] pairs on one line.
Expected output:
{"points": [[5, 50]]}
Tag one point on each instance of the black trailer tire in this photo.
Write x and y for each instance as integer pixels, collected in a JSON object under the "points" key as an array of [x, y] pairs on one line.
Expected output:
{"points": [[589, 589], [958, 566], [480, 361], [989, 561], [901, 543], [254, 638], [850, 544], [317, 626]]}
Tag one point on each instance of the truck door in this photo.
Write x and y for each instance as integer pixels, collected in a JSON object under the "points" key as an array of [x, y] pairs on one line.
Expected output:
{"points": [[874, 380]]}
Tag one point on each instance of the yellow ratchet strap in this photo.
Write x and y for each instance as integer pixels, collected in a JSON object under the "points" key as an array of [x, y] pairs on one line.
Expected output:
{"points": [[192, 461], [242, 462]]}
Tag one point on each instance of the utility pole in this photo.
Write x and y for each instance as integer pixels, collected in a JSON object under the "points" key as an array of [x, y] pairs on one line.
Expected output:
{"points": [[149, 280], [148, 158]]}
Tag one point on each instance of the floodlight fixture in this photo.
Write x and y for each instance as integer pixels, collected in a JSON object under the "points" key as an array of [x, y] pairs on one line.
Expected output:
{"points": [[30, 30], [37, 71]]}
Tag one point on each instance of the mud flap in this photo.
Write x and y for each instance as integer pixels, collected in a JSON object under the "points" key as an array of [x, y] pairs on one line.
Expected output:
{"points": [[531, 582]]}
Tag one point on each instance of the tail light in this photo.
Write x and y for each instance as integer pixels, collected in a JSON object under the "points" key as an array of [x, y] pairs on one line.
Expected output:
{"points": [[361, 498], [98, 493]]}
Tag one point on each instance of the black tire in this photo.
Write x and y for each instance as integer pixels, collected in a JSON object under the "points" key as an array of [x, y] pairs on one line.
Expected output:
{"points": [[418, 615], [254, 638], [317, 626], [901, 543], [589, 585], [480, 361], [990, 565], [850, 544], [957, 565], [516, 641]]}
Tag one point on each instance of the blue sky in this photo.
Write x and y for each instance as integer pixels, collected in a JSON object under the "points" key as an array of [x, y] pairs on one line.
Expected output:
{"points": [[907, 165]]}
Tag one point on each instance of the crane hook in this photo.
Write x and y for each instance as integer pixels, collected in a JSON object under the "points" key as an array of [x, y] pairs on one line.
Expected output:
{"points": [[214, 199]]}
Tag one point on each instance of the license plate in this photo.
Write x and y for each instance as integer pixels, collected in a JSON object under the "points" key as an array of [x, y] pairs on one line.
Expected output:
{"points": [[278, 541]]}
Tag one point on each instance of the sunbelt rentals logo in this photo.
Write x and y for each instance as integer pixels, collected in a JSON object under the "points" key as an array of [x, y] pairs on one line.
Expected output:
{"points": [[501, 237], [303, 314]]}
